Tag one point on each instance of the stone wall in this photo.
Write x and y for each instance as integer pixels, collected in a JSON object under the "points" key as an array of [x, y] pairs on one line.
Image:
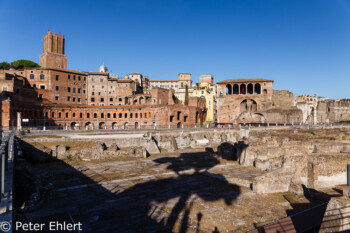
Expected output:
{"points": [[283, 99]]}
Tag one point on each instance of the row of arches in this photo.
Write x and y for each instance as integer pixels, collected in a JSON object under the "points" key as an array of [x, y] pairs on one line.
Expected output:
{"points": [[244, 89]]}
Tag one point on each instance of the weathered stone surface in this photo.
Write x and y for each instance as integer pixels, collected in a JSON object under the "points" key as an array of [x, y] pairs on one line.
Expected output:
{"points": [[337, 216]]}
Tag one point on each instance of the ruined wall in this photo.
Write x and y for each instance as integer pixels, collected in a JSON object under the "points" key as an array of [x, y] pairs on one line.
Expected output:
{"points": [[333, 111], [283, 99]]}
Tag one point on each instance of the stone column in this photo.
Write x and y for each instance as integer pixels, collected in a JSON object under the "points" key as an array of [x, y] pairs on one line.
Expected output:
{"points": [[19, 120]]}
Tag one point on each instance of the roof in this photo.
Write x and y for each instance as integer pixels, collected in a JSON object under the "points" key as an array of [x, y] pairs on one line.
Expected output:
{"points": [[125, 81], [135, 73], [99, 73], [163, 80], [246, 80]]}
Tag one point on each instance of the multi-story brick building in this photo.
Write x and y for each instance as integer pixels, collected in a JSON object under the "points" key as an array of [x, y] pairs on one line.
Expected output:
{"points": [[55, 96], [179, 85], [255, 101]]}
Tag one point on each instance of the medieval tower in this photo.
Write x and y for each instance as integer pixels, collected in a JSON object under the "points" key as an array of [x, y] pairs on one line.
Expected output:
{"points": [[53, 51]]}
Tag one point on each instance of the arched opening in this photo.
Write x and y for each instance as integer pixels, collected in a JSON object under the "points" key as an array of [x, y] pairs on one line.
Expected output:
{"points": [[196, 120], [244, 106], [228, 89], [235, 89], [136, 125], [250, 89], [126, 125], [178, 125], [102, 125], [265, 92], [126, 100], [248, 106], [73, 125], [135, 101], [114, 125], [257, 88], [88, 126], [243, 89], [141, 100]]}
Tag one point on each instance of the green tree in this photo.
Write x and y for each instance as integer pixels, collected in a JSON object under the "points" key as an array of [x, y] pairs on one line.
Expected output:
{"points": [[186, 95], [20, 64], [4, 65]]}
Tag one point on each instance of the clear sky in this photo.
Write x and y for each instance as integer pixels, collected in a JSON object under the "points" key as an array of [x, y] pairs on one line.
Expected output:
{"points": [[303, 45]]}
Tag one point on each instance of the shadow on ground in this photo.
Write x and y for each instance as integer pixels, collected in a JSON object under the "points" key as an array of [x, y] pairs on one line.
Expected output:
{"points": [[51, 190]]}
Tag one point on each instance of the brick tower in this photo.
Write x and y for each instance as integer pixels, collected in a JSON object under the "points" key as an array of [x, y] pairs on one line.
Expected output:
{"points": [[53, 51]]}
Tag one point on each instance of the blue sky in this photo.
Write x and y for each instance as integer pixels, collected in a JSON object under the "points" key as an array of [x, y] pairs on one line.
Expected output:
{"points": [[303, 45]]}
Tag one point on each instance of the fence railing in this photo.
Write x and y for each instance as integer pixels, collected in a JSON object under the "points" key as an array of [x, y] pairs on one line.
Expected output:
{"points": [[174, 127], [6, 155]]}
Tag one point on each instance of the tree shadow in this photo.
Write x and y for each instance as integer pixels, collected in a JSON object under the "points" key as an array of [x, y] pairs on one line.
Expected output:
{"points": [[164, 204]]}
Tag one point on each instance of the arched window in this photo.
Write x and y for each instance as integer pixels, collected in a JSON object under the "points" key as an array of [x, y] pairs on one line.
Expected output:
{"points": [[243, 89], [235, 89], [257, 88], [228, 89], [250, 89]]}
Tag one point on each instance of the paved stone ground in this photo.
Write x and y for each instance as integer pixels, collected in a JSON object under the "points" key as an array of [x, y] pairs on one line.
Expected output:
{"points": [[186, 191]]}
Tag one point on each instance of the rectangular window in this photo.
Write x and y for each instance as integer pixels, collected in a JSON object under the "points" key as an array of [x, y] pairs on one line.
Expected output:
{"points": [[42, 86], [56, 97], [73, 77], [68, 76], [92, 99], [57, 88], [68, 89], [73, 99], [81, 115], [102, 99], [79, 100], [79, 78], [42, 76], [74, 89], [79, 90], [73, 114], [68, 98], [110, 99], [32, 76], [84, 78], [4, 89], [40, 96], [57, 77], [84, 91], [87, 115]]}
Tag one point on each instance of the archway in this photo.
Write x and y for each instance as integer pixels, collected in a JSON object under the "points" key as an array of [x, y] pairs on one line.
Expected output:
{"points": [[178, 125], [248, 106], [136, 125], [250, 89], [141, 100], [126, 125], [235, 89], [102, 125], [114, 125], [257, 88], [73, 125], [88, 126], [265, 92], [243, 89], [196, 120], [228, 89]]}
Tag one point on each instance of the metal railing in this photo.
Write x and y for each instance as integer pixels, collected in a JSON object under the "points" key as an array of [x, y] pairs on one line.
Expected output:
{"points": [[174, 127], [6, 155]]}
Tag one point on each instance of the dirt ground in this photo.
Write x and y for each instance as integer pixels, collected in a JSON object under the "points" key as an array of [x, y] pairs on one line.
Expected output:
{"points": [[185, 191]]}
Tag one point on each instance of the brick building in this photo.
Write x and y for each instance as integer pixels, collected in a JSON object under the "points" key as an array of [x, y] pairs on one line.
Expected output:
{"points": [[55, 96], [254, 101]]}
